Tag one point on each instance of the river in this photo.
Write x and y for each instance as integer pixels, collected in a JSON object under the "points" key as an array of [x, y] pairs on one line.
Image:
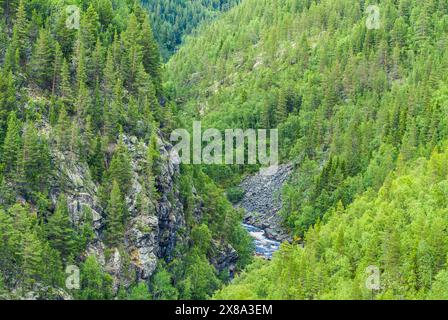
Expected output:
{"points": [[264, 247]]}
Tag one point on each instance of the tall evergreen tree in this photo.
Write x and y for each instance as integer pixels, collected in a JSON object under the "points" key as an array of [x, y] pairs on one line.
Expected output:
{"points": [[59, 229], [12, 145], [115, 217]]}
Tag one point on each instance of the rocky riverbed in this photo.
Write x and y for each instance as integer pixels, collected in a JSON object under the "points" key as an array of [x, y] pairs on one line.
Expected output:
{"points": [[262, 202]]}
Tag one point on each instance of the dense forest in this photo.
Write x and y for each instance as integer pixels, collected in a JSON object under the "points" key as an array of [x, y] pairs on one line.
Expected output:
{"points": [[173, 19], [362, 114], [85, 180]]}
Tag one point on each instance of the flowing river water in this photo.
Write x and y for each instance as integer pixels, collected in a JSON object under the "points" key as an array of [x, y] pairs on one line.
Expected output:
{"points": [[264, 247]]}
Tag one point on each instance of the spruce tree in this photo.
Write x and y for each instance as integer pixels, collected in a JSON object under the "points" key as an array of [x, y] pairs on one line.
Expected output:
{"points": [[96, 161], [42, 59], [109, 76], [31, 256], [12, 145], [89, 28], [8, 101], [59, 229], [35, 161], [115, 217], [151, 55], [95, 284], [65, 87], [281, 112], [57, 68], [120, 168], [20, 41]]}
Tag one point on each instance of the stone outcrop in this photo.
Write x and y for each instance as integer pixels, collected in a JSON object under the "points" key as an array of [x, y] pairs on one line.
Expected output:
{"points": [[149, 235], [262, 201]]}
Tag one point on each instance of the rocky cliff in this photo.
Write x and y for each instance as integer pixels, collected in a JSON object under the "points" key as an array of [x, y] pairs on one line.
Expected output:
{"points": [[150, 234]]}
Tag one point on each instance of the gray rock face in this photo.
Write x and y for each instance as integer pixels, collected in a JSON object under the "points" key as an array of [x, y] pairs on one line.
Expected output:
{"points": [[169, 207], [149, 235], [262, 201], [226, 257]]}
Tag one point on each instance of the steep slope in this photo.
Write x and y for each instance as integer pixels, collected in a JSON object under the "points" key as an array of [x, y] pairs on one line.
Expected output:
{"points": [[353, 103], [172, 20], [86, 180], [401, 231]]}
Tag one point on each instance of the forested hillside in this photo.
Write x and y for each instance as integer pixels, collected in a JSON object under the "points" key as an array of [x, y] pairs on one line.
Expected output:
{"points": [[86, 181], [363, 115], [174, 19]]}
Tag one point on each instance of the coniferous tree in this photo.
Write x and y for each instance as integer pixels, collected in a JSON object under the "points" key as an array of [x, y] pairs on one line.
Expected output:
{"points": [[96, 161], [65, 87], [89, 27], [42, 59], [59, 229], [115, 217], [35, 161], [19, 42], [281, 112], [7, 99], [57, 68], [151, 55], [95, 283], [12, 146], [120, 168]]}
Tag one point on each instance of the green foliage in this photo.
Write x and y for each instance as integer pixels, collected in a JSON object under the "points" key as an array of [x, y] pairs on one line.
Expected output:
{"points": [[354, 108], [161, 285], [139, 292], [95, 284], [400, 229], [173, 19], [201, 238], [59, 229], [235, 194], [120, 168], [116, 214]]}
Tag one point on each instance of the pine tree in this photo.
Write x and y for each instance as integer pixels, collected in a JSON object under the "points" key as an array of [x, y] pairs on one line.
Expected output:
{"points": [[95, 284], [151, 55], [115, 217], [8, 101], [57, 68], [86, 231], [63, 35], [65, 87], [96, 161], [81, 74], [42, 59], [97, 63], [89, 27], [31, 256], [83, 103], [109, 76], [35, 161], [281, 112], [7, 249], [120, 168], [96, 109], [59, 229], [12, 145], [63, 130], [132, 52], [20, 41], [117, 108], [51, 268]]}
